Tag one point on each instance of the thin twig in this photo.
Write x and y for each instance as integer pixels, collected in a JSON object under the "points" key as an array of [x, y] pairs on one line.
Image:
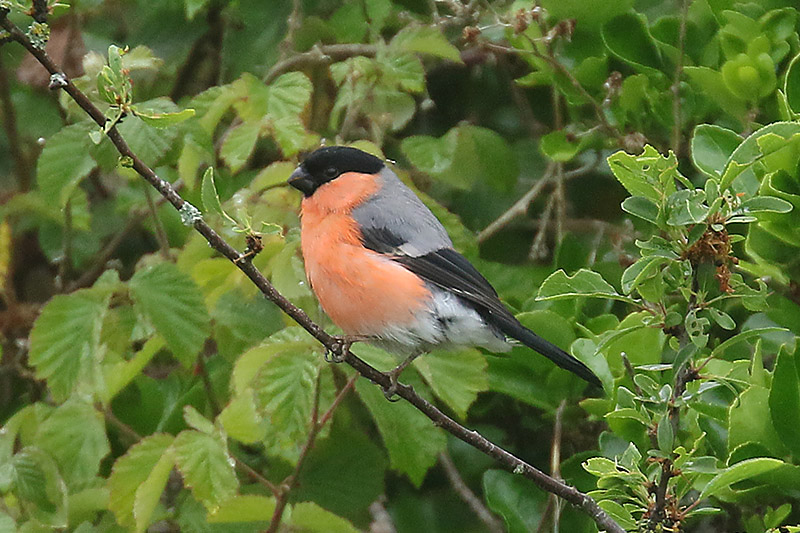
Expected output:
{"points": [[520, 207], [293, 23], [582, 501], [317, 423], [552, 61], [555, 461], [319, 55], [161, 235], [676, 84], [492, 523], [250, 471], [538, 248], [122, 426]]}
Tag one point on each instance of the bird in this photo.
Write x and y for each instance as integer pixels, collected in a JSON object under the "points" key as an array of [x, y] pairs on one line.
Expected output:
{"points": [[384, 269]]}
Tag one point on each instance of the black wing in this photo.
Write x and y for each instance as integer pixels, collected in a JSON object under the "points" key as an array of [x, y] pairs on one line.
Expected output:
{"points": [[451, 271]]}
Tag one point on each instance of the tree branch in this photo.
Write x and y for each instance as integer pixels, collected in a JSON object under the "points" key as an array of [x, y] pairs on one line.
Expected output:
{"points": [[324, 55], [676, 84], [192, 216], [493, 524]]}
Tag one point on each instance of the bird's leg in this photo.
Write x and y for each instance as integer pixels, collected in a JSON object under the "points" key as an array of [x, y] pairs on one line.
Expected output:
{"points": [[394, 375], [341, 345]]}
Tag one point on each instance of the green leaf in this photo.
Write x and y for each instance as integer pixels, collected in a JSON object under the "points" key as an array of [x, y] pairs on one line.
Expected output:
{"points": [[628, 38], [425, 40], [310, 517], [211, 203], [243, 508], [39, 487], [709, 81], [239, 143], [164, 120], [744, 335], [784, 400], [206, 467], [329, 479], [174, 305], [148, 495], [456, 376], [583, 283], [148, 143], [791, 86], [665, 435], [641, 207], [64, 162], [749, 422], [284, 394], [514, 498], [464, 155], [412, 440], [65, 340], [129, 473], [75, 436], [766, 204], [650, 174], [288, 95], [241, 420], [739, 472], [639, 271], [275, 174], [558, 147], [712, 146]]}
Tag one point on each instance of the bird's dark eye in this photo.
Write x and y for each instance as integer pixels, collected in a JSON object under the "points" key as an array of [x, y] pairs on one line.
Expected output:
{"points": [[331, 172]]}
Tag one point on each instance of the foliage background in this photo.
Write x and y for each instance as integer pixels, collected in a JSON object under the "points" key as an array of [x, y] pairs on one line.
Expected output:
{"points": [[146, 384]]}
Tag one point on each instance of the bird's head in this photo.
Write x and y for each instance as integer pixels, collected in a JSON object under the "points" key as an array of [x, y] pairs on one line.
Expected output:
{"points": [[328, 163]]}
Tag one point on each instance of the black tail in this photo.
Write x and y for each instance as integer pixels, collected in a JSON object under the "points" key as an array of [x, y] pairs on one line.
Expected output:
{"points": [[549, 350]]}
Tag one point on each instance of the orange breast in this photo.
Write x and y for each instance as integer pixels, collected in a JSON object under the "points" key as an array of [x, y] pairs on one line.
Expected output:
{"points": [[361, 290]]}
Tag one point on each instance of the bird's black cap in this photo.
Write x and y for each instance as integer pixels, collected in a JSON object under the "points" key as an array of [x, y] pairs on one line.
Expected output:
{"points": [[328, 163]]}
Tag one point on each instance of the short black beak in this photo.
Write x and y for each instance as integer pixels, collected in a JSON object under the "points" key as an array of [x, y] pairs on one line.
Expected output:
{"points": [[302, 181]]}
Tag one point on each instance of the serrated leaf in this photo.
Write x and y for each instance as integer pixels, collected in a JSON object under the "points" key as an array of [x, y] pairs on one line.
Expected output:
{"points": [[456, 376], [208, 193], [425, 40], [64, 162], [149, 492], [284, 394], [206, 467], [148, 143], [639, 271], [412, 440], [739, 472], [164, 120], [241, 420], [39, 487], [239, 143], [243, 508], [650, 174], [75, 436], [174, 305], [195, 420], [64, 342], [129, 473], [311, 517], [582, 283], [289, 95]]}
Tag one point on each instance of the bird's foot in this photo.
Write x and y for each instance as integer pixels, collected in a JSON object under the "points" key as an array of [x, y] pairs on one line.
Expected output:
{"points": [[341, 345], [394, 375], [390, 391]]}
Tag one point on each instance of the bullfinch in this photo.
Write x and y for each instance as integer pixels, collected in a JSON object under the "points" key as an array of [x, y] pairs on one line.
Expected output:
{"points": [[384, 269]]}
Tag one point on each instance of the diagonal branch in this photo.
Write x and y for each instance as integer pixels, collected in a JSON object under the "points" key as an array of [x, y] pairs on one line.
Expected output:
{"points": [[192, 216]]}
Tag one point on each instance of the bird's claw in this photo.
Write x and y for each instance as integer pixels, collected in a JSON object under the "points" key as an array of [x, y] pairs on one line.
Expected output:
{"points": [[337, 352], [390, 391]]}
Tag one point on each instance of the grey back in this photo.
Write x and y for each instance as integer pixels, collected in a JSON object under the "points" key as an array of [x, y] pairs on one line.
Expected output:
{"points": [[395, 210]]}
